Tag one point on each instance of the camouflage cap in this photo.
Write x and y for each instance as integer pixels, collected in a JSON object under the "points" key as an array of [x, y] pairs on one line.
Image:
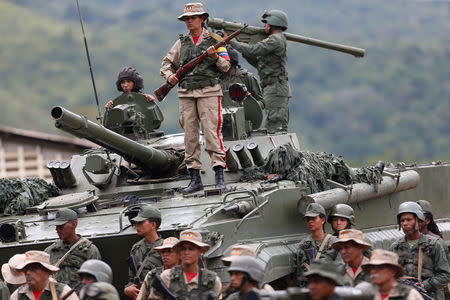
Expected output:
{"points": [[147, 212], [64, 215], [383, 257], [99, 291], [39, 257], [426, 206], [9, 270], [354, 235], [168, 243], [193, 9], [194, 237], [326, 269], [236, 251], [314, 209]]}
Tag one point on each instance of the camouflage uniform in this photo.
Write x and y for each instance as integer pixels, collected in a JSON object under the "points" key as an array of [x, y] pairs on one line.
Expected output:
{"points": [[144, 291], [400, 292], [359, 276], [25, 293], [4, 292], [269, 57], [68, 272], [143, 250], [241, 75], [435, 266]]}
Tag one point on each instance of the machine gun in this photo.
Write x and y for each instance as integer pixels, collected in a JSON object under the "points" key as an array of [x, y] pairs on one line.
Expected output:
{"points": [[412, 283], [253, 34]]}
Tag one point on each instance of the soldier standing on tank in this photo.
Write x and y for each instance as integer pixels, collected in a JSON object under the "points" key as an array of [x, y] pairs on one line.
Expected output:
{"points": [[38, 269], [129, 80], [351, 246], [246, 275], [318, 244], [323, 277], [70, 250], [384, 269], [188, 280], [170, 258], [199, 93], [237, 74], [94, 270], [422, 256], [147, 223], [269, 58]]}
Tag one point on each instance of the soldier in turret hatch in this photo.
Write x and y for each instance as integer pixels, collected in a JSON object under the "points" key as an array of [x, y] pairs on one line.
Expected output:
{"points": [[237, 74], [200, 94], [422, 256], [317, 246], [146, 258], [70, 250], [129, 80], [269, 57]]}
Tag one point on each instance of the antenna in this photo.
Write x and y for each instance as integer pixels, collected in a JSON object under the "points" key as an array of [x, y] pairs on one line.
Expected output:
{"points": [[99, 117]]}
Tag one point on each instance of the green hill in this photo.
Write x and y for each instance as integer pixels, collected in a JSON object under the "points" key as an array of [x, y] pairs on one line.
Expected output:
{"points": [[392, 104]]}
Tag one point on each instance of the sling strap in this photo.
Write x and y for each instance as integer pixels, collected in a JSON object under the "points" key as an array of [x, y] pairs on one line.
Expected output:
{"points": [[82, 239], [322, 245], [53, 290], [419, 265]]}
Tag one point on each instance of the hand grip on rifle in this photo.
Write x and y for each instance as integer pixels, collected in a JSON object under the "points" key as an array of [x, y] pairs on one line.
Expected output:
{"points": [[162, 91]]}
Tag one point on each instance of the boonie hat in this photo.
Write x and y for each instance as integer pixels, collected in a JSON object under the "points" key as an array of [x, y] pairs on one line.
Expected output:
{"points": [[354, 235], [193, 237], [9, 270], [314, 210], [168, 243], [383, 257], [147, 212], [40, 257], [193, 9], [326, 269], [64, 215], [238, 250]]}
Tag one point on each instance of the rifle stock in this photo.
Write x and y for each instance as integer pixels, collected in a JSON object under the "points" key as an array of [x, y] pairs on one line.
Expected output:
{"points": [[162, 91], [159, 285]]}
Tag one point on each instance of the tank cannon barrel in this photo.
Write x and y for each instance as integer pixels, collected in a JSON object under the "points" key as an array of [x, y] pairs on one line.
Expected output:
{"points": [[259, 34], [362, 191], [149, 159]]}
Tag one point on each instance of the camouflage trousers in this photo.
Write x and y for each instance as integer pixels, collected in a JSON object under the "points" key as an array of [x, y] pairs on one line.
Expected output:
{"points": [[277, 110], [206, 111]]}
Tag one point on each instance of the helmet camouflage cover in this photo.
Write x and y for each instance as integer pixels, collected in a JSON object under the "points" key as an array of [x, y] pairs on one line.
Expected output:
{"points": [[343, 211]]}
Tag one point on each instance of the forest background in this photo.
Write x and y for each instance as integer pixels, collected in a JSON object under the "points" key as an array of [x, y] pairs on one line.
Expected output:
{"points": [[393, 104]]}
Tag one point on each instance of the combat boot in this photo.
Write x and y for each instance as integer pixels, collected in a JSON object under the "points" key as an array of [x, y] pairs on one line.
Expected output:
{"points": [[220, 183], [196, 182]]}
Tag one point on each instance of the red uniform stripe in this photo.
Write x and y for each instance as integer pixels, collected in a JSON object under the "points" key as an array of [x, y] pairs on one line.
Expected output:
{"points": [[219, 123]]}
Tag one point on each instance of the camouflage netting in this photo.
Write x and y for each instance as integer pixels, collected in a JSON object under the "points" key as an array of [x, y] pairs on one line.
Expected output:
{"points": [[16, 195], [314, 168]]}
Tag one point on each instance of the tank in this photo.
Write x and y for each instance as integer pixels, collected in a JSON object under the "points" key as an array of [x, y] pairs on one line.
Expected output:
{"points": [[262, 207]]}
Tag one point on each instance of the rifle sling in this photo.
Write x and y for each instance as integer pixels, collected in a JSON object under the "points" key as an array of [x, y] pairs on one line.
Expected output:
{"points": [[419, 264], [82, 239], [53, 290], [322, 245]]}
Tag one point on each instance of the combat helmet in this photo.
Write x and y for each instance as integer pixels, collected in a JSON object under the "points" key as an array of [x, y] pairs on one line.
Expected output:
{"points": [[97, 268], [410, 207], [275, 17], [343, 211], [426, 206], [249, 265], [99, 291], [130, 73]]}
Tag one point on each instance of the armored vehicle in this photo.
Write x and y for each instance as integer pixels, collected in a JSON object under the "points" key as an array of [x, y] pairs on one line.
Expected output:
{"points": [[270, 181]]}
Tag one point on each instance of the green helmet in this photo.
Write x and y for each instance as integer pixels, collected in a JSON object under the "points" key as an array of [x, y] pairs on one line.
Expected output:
{"points": [[249, 265], [426, 206], [99, 291], [97, 268], [314, 209], [410, 207], [275, 17], [343, 211]]}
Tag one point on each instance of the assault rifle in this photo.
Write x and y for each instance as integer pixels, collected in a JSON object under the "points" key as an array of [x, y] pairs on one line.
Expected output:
{"points": [[418, 288], [160, 286], [132, 265], [162, 91]]}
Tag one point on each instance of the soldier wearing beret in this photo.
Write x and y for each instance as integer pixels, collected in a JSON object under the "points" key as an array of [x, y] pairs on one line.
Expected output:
{"points": [[79, 249]]}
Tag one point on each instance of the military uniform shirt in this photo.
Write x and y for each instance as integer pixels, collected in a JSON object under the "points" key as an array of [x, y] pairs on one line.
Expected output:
{"points": [[69, 267], [144, 291], [435, 266], [400, 292], [25, 293], [141, 250], [359, 276], [4, 291]]}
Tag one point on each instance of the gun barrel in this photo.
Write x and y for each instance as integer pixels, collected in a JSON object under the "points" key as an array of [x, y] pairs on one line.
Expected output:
{"points": [[150, 159], [218, 23]]}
